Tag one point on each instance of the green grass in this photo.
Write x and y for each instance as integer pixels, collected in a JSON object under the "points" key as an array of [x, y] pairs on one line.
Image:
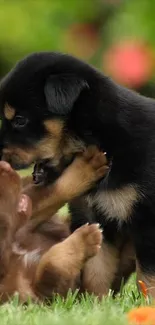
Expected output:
{"points": [[26, 172], [71, 311]]}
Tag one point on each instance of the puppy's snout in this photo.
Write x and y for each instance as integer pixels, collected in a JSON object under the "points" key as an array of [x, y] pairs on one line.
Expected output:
{"points": [[11, 160]]}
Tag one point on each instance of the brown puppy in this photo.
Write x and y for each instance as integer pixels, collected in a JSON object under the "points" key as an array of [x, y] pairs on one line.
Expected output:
{"points": [[48, 260]]}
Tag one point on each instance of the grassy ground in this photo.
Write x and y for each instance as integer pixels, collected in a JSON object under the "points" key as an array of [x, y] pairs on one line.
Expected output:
{"points": [[74, 312]]}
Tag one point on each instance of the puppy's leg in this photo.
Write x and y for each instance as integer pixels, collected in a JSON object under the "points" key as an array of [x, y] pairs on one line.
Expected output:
{"points": [[127, 265], [15, 208], [80, 212], [10, 187], [143, 231], [60, 267], [99, 272]]}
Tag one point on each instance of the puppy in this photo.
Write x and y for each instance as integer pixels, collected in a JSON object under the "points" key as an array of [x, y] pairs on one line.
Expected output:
{"points": [[49, 260], [53, 106], [93, 275]]}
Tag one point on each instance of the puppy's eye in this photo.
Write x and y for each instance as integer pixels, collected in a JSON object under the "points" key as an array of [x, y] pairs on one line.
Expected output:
{"points": [[19, 121]]}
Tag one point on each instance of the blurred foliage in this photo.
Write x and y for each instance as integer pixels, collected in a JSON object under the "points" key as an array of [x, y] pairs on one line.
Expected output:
{"points": [[28, 26], [117, 36]]}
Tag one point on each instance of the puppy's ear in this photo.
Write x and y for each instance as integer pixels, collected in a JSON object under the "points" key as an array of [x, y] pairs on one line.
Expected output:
{"points": [[61, 92]]}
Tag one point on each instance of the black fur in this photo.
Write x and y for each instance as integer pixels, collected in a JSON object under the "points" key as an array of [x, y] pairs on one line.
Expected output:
{"points": [[61, 92], [97, 111]]}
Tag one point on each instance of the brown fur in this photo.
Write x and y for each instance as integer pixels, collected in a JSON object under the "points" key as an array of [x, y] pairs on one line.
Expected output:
{"points": [[52, 142], [111, 267], [57, 143], [18, 155], [9, 112], [100, 270], [33, 267], [60, 267]]}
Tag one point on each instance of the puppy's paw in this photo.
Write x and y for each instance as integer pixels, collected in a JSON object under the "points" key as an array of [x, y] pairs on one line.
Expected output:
{"points": [[90, 166], [90, 237], [86, 169], [10, 182], [97, 161]]}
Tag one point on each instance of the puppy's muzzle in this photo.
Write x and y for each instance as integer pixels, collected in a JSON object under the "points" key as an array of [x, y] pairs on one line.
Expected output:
{"points": [[14, 160]]}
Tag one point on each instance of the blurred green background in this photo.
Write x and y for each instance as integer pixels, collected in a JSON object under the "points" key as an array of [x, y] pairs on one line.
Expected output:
{"points": [[117, 36]]}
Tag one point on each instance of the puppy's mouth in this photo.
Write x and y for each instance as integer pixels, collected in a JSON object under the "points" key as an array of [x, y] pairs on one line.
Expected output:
{"points": [[46, 171], [39, 173]]}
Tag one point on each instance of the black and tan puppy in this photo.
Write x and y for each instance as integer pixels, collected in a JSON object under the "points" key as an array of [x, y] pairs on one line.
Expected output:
{"points": [[53, 106]]}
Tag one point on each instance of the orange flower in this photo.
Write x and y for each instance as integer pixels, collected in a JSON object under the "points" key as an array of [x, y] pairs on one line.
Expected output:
{"points": [[143, 288], [142, 315]]}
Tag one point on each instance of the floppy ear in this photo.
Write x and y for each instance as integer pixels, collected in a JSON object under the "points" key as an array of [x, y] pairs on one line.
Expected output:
{"points": [[61, 92]]}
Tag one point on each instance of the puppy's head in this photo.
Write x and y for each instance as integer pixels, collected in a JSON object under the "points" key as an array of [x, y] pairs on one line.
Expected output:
{"points": [[38, 101]]}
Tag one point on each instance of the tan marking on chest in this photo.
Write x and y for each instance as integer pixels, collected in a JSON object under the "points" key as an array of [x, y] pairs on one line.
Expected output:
{"points": [[9, 112], [117, 204]]}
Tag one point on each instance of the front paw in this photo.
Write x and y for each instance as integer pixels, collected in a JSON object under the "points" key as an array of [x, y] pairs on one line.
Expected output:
{"points": [[89, 237], [10, 186], [97, 163]]}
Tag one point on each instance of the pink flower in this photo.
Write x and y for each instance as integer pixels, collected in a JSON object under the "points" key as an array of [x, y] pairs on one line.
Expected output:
{"points": [[129, 63]]}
